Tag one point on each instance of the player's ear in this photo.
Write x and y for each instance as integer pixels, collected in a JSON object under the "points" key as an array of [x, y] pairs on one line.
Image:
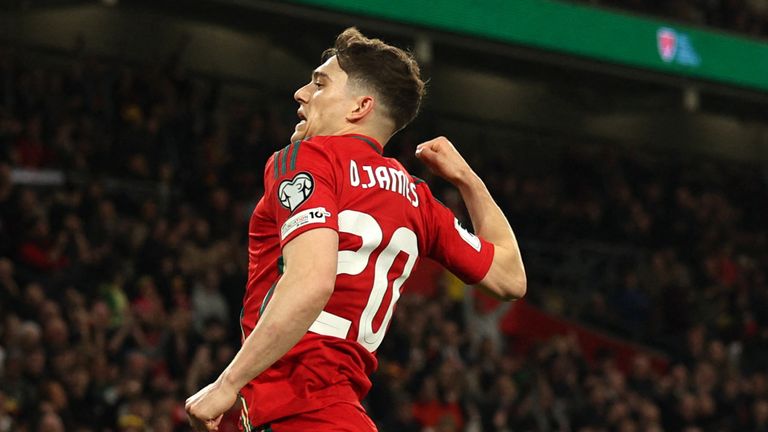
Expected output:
{"points": [[363, 107]]}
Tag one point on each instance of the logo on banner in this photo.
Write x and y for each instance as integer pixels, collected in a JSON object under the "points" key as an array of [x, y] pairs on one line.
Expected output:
{"points": [[676, 47], [666, 39]]}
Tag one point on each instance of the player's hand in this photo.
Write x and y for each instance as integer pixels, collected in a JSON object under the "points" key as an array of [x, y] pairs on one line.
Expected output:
{"points": [[206, 407], [442, 158]]}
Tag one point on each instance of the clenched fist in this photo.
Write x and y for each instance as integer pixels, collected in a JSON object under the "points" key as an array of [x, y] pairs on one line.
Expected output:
{"points": [[443, 159], [206, 408]]}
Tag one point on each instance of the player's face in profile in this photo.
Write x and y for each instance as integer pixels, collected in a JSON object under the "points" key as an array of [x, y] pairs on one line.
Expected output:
{"points": [[323, 102]]}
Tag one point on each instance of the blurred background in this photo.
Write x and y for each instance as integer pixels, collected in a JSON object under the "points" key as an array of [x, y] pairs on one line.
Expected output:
{"points": [[626, 141]]}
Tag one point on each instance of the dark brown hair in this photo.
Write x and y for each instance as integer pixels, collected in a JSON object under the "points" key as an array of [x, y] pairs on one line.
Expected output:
{"points": [[390, 72]]}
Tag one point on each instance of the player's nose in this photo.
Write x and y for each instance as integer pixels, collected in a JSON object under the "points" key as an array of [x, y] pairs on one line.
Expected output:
{"points": [[301, 95]]}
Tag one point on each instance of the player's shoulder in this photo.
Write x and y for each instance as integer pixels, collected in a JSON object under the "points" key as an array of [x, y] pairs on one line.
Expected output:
{"points": [[319, 147], [305, 153], [313, 145], [421, 186], [426, 194], [321, 143]]}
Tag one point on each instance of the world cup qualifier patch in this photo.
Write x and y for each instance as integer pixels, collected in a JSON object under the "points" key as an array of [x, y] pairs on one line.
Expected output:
{"points": [[292, 193]]}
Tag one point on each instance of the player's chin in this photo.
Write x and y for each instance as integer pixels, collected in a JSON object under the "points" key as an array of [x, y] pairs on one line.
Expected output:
{"points": [[298, 135], [300, 132]]}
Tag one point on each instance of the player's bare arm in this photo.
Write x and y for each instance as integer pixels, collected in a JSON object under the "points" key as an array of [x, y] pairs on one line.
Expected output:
{"points": [[299, 297], [506, 277]]}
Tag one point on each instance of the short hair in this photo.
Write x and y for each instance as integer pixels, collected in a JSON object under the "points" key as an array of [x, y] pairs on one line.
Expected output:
{"points": [[392, 73]]}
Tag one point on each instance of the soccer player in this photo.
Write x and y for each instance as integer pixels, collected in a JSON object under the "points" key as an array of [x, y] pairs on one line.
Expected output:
{"points": [[339, 229]]}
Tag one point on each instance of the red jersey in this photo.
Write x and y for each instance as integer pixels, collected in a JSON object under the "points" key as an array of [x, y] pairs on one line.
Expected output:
{"points": [[386, 220]]}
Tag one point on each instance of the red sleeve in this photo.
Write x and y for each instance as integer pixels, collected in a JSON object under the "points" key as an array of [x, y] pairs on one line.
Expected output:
{"points": [[300, 190], [466, 255]]}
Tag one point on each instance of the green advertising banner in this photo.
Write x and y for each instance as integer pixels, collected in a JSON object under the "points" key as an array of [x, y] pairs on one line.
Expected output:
{"points": [[583, 31]]}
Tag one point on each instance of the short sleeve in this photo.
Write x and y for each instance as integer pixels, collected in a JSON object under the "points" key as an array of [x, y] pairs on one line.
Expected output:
{"points": [[466, 255], [300, 190]]}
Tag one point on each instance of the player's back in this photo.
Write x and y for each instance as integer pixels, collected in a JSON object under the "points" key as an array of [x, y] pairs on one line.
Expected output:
{"points": [[386, 220], [381, 233]]}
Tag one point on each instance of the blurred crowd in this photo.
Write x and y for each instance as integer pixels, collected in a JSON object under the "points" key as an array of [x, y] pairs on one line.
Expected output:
{"points": [[435, 376], [120, 288], [741, 16]]}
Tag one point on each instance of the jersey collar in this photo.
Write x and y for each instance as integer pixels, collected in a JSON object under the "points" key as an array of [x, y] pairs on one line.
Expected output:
{"points": [[368, 140]]}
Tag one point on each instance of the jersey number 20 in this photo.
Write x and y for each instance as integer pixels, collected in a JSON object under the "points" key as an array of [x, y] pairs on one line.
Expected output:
{"points": [[355, 262]]}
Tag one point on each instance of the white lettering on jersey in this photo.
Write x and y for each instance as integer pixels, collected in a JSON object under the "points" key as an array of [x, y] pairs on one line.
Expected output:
{"points": [[371, 179], [398, 179], [354, 175], [383, 177], [468, 237], [302, 218], [412, 190], [386, 178]]}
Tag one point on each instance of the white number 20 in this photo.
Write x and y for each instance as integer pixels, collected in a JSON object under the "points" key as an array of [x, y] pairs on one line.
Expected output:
{"points": [[355, 262]]}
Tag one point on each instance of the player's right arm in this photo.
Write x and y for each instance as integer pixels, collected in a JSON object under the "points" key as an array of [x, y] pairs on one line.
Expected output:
{"points": [[506, 276]]}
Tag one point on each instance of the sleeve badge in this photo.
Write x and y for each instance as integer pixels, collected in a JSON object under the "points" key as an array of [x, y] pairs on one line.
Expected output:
{"points": [[292, 193]]}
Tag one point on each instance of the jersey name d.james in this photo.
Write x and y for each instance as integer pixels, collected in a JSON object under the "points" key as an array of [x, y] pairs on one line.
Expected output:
{"points": [[386, 220]]}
